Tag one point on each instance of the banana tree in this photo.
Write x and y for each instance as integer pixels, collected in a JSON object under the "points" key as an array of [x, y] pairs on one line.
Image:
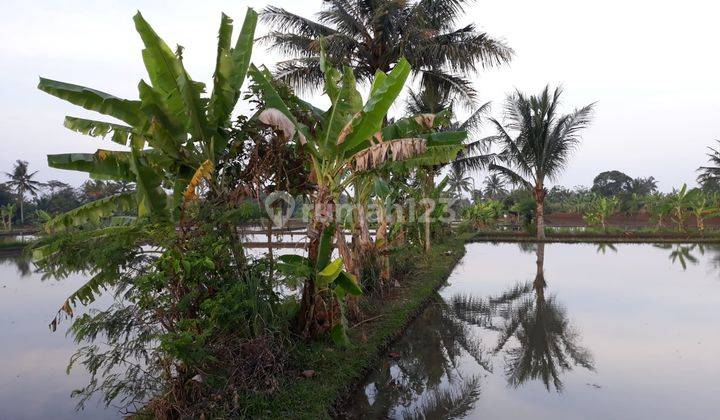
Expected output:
{"points": [[702, 207], [341, 142], [680, 203], [174, 135], [602, 209], [659, 208], [7, 212], [372, 187]]}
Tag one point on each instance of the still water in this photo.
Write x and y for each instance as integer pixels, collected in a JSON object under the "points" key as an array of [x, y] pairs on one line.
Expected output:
{"points": [[561, 332], [629, 331], [33, 381], [33, 360]]}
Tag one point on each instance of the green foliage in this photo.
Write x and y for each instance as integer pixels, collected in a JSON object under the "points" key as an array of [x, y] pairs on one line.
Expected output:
{"points": [[7, 213], [375, 36], [182, 129], [600, 210], [523, 205], [611, 183], [484, 214], [193, 315], [537, 142]]}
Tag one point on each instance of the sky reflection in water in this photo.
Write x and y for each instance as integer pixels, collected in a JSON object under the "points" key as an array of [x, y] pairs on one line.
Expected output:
{"points": [[564, 332]]}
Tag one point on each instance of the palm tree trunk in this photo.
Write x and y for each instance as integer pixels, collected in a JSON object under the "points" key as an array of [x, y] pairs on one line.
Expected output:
{"points": [[540, 211], [539, 283], [22, 212]]}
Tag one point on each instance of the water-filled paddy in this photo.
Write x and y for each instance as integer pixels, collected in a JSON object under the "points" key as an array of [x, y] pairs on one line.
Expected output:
{"points": [[629, 331]]}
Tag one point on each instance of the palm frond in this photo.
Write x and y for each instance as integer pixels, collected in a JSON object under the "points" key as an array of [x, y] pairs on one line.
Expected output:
{"points": [[512, 176]]}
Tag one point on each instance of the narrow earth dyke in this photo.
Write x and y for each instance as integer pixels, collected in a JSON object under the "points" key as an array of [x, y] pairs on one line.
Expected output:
{"points": [[337, 372]]}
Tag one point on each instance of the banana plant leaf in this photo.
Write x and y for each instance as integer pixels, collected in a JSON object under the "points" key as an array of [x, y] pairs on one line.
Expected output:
{"points": [[94, 100], [367, 122]]}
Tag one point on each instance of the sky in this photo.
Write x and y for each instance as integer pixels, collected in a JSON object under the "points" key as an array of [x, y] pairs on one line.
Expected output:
{"points": [[653, 68]]}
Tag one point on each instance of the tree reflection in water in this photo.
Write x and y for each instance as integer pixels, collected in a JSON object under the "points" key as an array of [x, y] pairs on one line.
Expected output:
{"points": [[426, 381], [21, 262], [603, 248], [687, 254], [535, 335]]}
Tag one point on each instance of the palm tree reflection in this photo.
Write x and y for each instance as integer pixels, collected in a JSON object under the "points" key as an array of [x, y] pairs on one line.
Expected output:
{"points": [[430, 379], [603, 248], [425, 381], [535, 334]]}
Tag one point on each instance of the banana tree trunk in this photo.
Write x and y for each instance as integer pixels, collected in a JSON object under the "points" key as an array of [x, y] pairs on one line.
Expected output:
{"points": [[313, 315], [540, 211], [427, 232], [429, 185], [381, 240]]}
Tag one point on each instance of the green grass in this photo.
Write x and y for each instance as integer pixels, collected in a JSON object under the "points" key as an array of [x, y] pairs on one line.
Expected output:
{"points": [[339, 371], [12, 245]]}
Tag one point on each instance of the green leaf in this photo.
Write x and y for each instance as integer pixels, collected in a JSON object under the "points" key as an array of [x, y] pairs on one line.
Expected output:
{"points": [[231, 66], [121, 134], [163, 67], [324, 249], [105, 164], [153, 105], [151, 198], [338, 333], [328, 274], [444, 138], [194, 108], [294, 265], [92, 212], [367, 122], [94, 100], [346, 102], [349, 283], [294, 259]]}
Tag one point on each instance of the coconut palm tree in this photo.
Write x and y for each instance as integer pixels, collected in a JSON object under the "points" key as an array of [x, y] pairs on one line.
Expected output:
{"points": [[459, 182], [537, 142], [23, 183], [373, 35], [494, 187], [711, 173]]}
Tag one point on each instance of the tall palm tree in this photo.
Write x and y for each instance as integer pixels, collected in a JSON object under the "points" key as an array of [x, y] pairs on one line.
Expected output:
{"points": [[494, 187], [372, 35], [537, 142], [23, 183], [711, 173], [459, 182]]}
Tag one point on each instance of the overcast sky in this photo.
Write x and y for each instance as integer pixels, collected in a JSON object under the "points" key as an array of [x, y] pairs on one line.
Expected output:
{"points": [[652, 66]]}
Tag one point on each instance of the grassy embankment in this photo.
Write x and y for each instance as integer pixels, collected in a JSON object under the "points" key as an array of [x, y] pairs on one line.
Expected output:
{"points": [[600, 236], [12, 244], [338, 371]]}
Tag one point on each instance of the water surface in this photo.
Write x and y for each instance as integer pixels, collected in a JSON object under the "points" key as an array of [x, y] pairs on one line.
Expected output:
{"points": [[33, 381], [561, 332]]}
